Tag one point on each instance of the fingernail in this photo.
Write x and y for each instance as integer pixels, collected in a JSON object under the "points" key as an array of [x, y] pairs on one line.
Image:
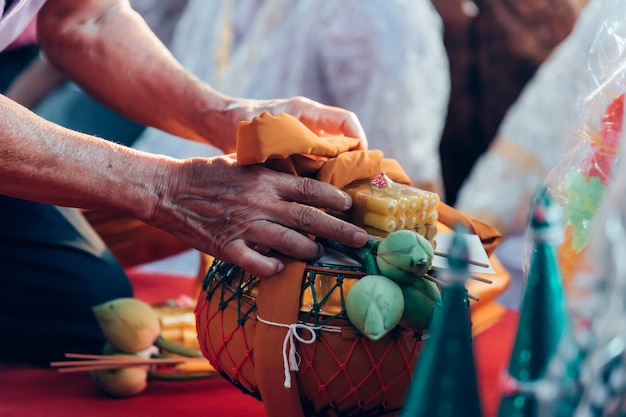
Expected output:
{"points": [[360, 238], [280, 267], [348, 202], [320, 251]]}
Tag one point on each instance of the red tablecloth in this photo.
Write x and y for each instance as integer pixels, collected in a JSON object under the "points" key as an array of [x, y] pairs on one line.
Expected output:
{"points": [[34, 392]]}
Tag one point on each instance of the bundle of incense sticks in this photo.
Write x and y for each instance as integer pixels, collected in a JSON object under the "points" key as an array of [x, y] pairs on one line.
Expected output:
{"points": [[100, 362]]}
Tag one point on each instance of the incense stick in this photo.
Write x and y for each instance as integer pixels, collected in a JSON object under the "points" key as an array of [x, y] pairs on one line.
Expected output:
{"points": [[443, 284], [481, 279], [469, 261], [88, 368], [99, 362]]}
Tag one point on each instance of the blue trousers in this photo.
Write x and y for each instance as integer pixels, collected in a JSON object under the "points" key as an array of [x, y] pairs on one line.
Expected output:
{"points": [[53, 269]]}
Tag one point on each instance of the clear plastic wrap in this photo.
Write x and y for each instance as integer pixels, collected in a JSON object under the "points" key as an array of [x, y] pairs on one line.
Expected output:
{"points": [[587, 376], [581, 179], [598, 309], [383, 206]]}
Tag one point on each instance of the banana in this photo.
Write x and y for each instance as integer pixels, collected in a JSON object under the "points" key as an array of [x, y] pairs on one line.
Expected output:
{"points": [[404, 255], [420, 298], [128, 324], [374, 305]]}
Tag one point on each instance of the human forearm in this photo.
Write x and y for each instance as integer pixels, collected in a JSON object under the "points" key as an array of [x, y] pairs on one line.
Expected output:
{"points": [[106, 48], [44, 162], [241, 214]]}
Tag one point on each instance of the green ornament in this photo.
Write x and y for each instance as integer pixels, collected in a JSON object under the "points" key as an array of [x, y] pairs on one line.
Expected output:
{"points": [[543, 315], [374, 305], [444, 383], [420, 298], [404, 255], [585, 195]]}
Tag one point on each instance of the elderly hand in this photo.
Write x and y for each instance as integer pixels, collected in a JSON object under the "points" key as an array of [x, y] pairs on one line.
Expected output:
{"points": [[248, 215], [321, 119]]}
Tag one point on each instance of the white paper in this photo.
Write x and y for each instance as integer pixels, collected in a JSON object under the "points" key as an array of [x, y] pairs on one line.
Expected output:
{"points": [[476, 250]]}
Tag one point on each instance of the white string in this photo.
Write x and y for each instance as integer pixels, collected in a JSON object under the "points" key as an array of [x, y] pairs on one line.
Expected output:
{"points": [[291, 358]]}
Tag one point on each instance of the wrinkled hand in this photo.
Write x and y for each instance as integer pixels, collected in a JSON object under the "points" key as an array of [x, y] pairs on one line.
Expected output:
{"points": [[321, 119], [247, 215]]}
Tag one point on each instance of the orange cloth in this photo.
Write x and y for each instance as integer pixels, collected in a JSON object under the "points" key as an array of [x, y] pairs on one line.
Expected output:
{"points": [[284, 144], [285, 135]]}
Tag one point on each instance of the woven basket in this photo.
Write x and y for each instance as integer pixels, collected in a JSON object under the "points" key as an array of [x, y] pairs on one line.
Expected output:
{"points": [[341, 372]]}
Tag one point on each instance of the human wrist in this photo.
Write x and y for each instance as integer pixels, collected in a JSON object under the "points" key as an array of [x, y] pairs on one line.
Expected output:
{"points": [[149, 187], [216, 116], [134, 182]]}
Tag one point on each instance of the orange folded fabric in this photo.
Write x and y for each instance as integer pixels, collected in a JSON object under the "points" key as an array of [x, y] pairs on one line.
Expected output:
{"points": [[284, 144], [285, 136]]}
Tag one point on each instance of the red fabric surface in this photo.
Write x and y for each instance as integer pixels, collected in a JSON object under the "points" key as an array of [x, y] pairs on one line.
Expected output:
{"points": [[33, 392]]}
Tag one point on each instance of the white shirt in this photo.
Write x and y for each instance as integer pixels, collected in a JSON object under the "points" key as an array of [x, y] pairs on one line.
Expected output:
{"points": [[16, 18], [382, 59]]}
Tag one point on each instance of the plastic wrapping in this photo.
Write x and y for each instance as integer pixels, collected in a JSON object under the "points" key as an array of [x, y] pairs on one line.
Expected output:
{"points": [[598, 307], [383, 60], [581, 178], [587, 377], [382, 206]]}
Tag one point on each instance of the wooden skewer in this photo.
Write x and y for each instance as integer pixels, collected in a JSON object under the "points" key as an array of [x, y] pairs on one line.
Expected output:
{"points": [[97, 362], [443, 284], [128, 357], [123, 362], [435, 280], [472, 297], [87, 368], [469, 261], [481, 279]]}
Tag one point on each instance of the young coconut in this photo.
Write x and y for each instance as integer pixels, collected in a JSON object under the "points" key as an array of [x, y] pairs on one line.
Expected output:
{"points": [[404, 256]]}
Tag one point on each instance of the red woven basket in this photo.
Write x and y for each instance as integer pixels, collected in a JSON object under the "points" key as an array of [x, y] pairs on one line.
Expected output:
{"points": [[341, 373]]}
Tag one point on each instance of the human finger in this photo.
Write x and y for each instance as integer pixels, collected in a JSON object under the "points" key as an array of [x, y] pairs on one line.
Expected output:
{"points": [[273, 237], [327, 120], [251, 260], [306, 217]]}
